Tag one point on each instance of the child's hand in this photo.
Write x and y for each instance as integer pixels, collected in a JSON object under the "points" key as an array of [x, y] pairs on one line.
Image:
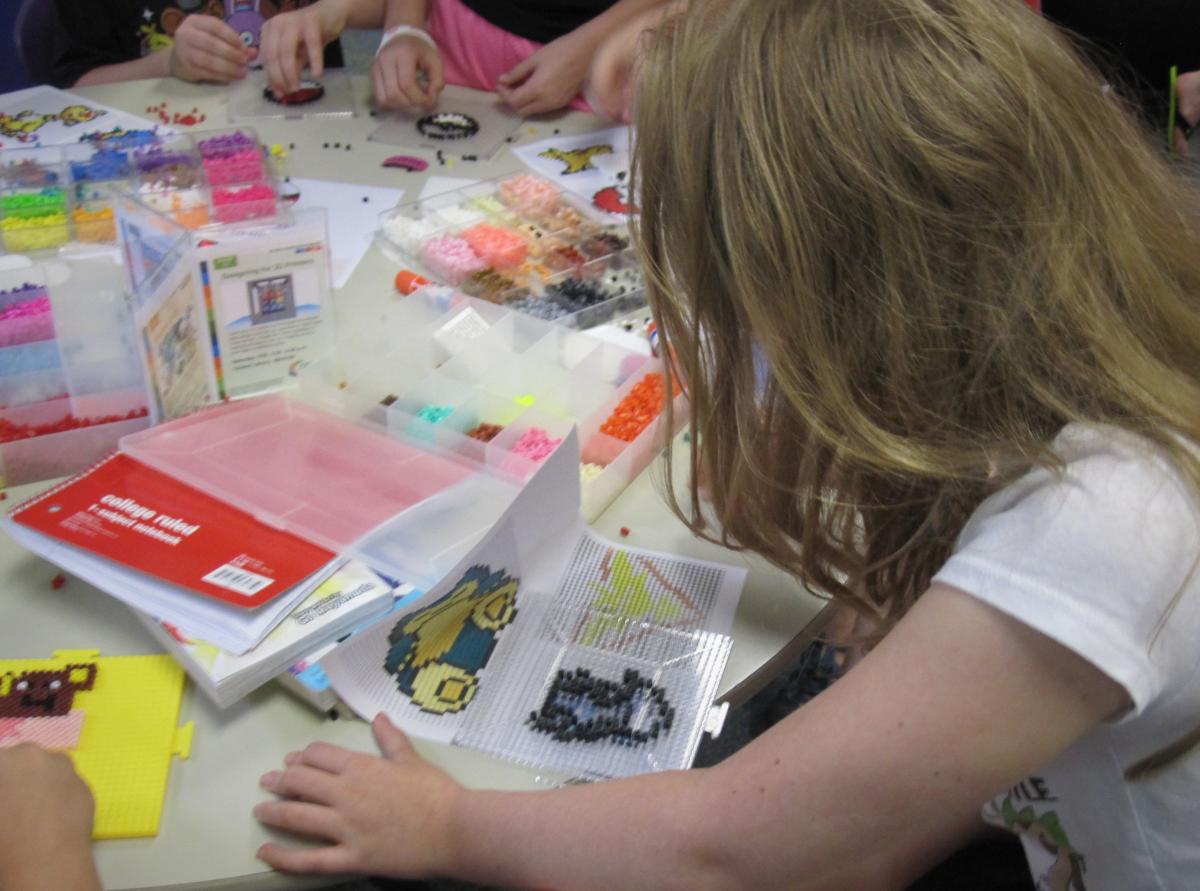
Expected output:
{"points": [[381, 816], [548, 79], [1188, 91], [292, 41], [613, 72], [207, 49], [407, 74], [47, 837]]}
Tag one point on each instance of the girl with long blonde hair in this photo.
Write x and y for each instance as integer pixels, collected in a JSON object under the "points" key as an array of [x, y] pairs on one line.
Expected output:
{"points": [[934, 301]]}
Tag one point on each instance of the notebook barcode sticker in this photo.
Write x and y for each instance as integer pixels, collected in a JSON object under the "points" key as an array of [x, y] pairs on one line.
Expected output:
{"points": [[236, 579]]}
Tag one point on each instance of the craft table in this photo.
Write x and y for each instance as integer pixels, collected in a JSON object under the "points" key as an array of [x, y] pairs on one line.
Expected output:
{"points": [[208, 837]]}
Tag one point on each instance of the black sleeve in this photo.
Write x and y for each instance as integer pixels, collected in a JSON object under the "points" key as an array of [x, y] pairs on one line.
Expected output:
{"points": [[86, 38], [1135, 43]]}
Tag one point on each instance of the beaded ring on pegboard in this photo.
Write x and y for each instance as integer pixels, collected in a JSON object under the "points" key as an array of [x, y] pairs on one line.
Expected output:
{"points": [[310, 91], [448, 125]]}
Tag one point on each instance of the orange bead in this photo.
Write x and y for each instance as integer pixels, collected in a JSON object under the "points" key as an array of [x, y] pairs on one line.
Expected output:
{"points": [[408, 281]]}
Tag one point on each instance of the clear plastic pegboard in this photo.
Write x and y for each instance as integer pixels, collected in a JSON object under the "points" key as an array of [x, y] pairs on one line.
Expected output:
{"points": [[595, 695], [330, 96], [466, 122]]}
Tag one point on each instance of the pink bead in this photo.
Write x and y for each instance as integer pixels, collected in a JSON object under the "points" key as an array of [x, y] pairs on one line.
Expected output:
{"points": [[232, 204], [236, 167], [501, 248], [529, 194], [450, 259], [535, 444]]}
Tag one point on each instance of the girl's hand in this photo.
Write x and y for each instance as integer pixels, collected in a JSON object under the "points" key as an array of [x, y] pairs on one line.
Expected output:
{"points": [[207, 49], [47, 835], [407, 74], [613, 73], [292, 41], [550, 78], [381, 816], [1188, 91]]}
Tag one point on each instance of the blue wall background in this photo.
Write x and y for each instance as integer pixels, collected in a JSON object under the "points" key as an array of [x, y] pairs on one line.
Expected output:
{"points": [[12, 74]]}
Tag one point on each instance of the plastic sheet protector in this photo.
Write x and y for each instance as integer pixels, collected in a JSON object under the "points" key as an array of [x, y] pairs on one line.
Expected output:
{"points": [[338, 483], [552, 647]]}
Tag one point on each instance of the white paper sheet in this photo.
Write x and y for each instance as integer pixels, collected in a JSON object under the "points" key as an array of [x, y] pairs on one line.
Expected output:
{"points": [[592, 166], [352, 220], [47, 116]]}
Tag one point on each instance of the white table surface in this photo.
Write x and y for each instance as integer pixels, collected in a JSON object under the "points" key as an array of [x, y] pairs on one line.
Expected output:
{"points": [[208, 837]]}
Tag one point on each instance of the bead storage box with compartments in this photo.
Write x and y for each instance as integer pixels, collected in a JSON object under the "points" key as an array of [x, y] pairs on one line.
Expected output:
{"points": [[523, 243], [70, 381], [498, 388], [212, 177], [51, 196]]}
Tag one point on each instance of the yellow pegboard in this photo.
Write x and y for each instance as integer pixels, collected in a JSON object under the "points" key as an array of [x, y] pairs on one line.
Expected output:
{"points": [[129, 735]]}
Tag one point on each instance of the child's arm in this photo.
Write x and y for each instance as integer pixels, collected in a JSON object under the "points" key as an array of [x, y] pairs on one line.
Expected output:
{"points": [[408, 70], [553, 75], [47, 837], [865, 787], [292, 41], [204, 48], [153, 65]]}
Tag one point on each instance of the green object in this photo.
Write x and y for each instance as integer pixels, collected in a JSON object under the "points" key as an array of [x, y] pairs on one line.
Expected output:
{"points": [[25, 205], [625, 597]]}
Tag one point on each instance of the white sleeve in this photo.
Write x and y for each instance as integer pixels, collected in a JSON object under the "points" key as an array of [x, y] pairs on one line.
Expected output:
{"points": [[1102, 560]]}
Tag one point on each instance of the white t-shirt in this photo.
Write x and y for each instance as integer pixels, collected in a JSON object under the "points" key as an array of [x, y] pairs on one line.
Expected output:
{"points": [[1096, 560]]}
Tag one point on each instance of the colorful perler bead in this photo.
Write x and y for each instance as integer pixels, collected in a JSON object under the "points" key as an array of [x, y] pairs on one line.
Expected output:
{"points": [[637, 410], [535, 444], [450, 259], [485, 432], [530, 195], [499, 247], [589, 471], [94, 225], [232, 204], [435, 414], [407, 233]]}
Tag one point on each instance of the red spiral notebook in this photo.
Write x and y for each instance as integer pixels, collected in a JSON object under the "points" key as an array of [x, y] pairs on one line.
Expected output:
{"points": [[130, 514]]}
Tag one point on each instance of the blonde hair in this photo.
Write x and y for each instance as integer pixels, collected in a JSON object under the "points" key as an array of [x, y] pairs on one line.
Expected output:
{"points": [[893, 247]]}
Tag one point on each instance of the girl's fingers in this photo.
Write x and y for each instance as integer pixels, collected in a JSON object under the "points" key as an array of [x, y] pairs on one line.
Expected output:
{"points": [[301, 818], [332, 859], [218, 51], [377, 89], [299, 781], [326, 756], [316, 49], [392, 741], [220, 31], [437, 80], [519, 73]]}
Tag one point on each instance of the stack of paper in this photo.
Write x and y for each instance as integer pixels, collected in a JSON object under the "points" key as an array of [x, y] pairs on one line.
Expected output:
{"points": [[351, 596], [173, 552]]}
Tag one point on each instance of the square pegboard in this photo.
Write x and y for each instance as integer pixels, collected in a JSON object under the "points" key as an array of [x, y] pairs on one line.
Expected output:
{"points": [[466, 122], [635, 702], [248, 100]]}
